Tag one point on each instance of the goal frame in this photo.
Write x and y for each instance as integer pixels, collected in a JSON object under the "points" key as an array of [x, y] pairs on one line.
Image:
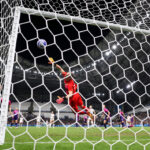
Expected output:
{"points": [[13, 40], [8, 75]]}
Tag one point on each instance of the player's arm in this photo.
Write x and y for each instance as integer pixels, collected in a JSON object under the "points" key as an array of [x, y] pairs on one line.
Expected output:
{"points": [[67, 96], [60, 68], [61, 99], [51, 61]]}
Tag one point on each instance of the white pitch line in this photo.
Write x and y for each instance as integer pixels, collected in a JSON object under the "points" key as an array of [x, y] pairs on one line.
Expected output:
{"points": [[76, 141]]}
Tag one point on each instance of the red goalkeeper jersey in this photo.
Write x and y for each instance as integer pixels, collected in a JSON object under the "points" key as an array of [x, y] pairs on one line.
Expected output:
{"points": [[69, 85]]}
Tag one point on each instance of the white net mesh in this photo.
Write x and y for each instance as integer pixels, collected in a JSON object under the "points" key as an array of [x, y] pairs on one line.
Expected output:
{"points": [[105, 45]]}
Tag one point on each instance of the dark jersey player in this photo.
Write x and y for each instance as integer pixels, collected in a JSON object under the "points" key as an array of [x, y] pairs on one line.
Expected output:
{"points": [[74, 97], [16, 113], [132, 120], [121, 115], [106, 114]]}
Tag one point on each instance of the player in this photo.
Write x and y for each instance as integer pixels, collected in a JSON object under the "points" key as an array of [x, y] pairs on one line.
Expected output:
{"points": [[89, 120], [21, 121], [12, 119], [38, 121], [132, 120], [106, 115], [121, 113], [52, 119], [9, 103], [75, 99], [128, 121], [85, 119], [15, 113]]}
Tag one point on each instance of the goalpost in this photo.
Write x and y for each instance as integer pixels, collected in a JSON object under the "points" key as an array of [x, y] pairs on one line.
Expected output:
{"points": [[8, 75], [106, 52]]}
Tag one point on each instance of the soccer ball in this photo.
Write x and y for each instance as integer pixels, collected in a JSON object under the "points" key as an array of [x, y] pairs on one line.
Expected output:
{"points": [[41, 43]]}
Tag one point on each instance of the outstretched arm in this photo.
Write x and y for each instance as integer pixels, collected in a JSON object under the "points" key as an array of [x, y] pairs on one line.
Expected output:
{"points": [[69, 95], [60, 68], [61, 99], [51, 61]]}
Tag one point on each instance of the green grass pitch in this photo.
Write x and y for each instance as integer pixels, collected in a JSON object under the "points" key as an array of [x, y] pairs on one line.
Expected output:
{"points": [[77, 138]]}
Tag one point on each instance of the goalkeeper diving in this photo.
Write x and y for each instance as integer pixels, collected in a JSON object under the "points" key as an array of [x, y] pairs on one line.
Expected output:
{"points": [[74, 97]]}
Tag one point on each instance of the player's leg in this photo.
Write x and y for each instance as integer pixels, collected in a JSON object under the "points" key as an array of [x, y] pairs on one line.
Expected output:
{"points": [[16, 123], [16, 120], [92, 122], [53, 123], [74, 104], [76, 110], [88, 122], [122, 121], [128, 123], [12, 120], [79, 102], [119, 123], [105, 122], [132, 124], [50, 123]]}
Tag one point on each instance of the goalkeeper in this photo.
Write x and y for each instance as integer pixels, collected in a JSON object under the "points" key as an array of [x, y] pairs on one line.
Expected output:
{"points": [[75, 99]]}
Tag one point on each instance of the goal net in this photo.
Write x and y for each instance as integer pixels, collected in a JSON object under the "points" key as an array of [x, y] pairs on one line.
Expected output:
{"points": [[104, 44]]}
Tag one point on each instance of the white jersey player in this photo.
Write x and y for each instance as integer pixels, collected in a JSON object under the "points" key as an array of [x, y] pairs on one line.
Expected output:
{"points": [[21, 121], [52, 119], [128, 120], [38, 120], [89, 120]]}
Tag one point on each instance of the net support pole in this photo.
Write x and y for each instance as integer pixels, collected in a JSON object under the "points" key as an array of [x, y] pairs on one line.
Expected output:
{"points": [[83, 20], [8, 75]]}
